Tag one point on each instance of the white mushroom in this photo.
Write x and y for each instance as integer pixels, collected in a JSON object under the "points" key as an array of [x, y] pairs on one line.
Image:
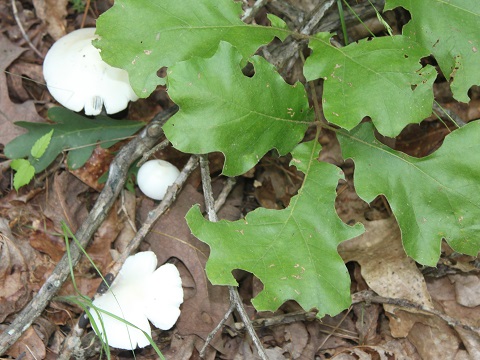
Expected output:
{"points": [[78, 78], [155, 176], [138, 294]]}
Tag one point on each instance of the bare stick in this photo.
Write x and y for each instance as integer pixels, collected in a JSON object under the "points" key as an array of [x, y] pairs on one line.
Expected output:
{"points": [[283, 319], [234, 296], [449, 114], [288, 50], [22, 30], [237, 300], [152, 151], [318, 14], [147, 138], [369, 296], [222, 197], [251, 12], [73, 340], [214, 332]]}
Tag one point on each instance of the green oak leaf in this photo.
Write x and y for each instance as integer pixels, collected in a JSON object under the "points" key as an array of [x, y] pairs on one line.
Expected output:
{"points": [[24, 172], [381, 78], [434, 197], [450, 30], [221, 109], [72, 132], [141, 36], [292, 251]]}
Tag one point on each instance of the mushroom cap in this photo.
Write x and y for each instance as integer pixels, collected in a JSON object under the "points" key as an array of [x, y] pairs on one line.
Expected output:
{"points": [[138, 294], [155, 176], [78, 78]]}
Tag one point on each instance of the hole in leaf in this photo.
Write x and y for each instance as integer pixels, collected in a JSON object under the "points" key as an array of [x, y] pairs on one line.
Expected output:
{"points": [[162, 72]]}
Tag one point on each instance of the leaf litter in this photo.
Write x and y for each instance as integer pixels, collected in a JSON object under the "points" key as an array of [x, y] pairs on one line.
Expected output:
{"points": [[31, 241]]}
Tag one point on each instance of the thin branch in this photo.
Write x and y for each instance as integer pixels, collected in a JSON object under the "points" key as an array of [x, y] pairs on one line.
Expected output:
{"points": [[282, 319], [438, 110], [147, 138], [22, 30], [235, 299], [318, 14], [370, 297], [251, 12], [222, 197], [152, 151], [288, 50], [214, 332]]}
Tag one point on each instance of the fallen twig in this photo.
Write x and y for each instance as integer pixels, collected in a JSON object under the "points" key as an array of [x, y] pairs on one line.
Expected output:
{"points": [[22, 30], [288, 50], [152, 151], [222, 197], [283, 319], [147, 138], [251, 12], [235, 300], [370, 297]]}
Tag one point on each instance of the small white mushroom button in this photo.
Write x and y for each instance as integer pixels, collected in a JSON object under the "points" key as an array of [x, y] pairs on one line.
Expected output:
{"points": [[155, 176]]}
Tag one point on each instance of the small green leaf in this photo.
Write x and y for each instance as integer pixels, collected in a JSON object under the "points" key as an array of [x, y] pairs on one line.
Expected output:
{"points": [[73, 132], [141, 36], [41, 145], [381, 78], [450, 30], [434, 197], [24, 172], [242, 117], [277, 22], [292, 251]]}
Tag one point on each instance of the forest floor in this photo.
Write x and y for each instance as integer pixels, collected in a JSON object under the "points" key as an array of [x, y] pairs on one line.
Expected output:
{"points": [[393, 297]]}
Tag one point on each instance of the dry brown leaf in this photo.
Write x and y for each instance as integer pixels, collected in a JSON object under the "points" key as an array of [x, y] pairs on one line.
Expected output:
{"points": [[95, 167], [471, 341], [14, 272], [53, 14], [467, 289], [20, 70], [297, 335], [275, 353], [387, 269], [433, 338], [12, 112], [402, 349], [28, 347], [185, 347], [63, 203], [99, 248], [44, 239], [443, 291], [367, 322], [204, 305]]}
